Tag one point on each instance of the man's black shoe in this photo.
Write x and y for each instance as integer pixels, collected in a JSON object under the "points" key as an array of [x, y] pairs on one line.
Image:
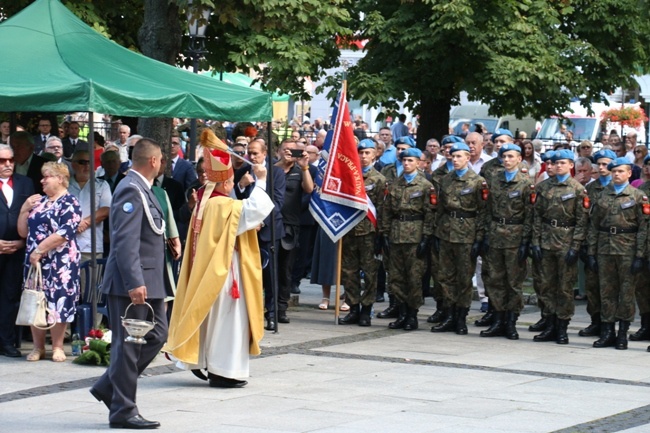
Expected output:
{"points": [[99, 397], [217, 381], [270, 325], [136, 423], [295, 290], [10, 351], [282, 318]]}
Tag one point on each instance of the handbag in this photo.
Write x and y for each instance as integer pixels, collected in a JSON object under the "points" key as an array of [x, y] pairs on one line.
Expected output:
{"points": [[33, 309]]}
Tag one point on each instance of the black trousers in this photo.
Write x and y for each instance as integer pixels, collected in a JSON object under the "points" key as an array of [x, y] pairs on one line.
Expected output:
{"points": [[11, 281]]}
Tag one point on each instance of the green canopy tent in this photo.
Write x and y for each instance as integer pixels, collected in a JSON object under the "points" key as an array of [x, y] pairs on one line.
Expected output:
{"points": [[243, 80], [56, 63]]}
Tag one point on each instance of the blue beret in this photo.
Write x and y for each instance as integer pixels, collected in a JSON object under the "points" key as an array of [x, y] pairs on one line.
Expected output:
{"points": [[366, 143], [413, 152], [605, 153], [547, 155], [499, 132], [563, 154], [405, 140], [509, 146], [451, 139], [618, 162], [459, 146]]}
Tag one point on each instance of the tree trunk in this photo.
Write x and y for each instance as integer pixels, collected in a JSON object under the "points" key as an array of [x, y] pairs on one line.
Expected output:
{"points": [[159, 38], [434, 119]]}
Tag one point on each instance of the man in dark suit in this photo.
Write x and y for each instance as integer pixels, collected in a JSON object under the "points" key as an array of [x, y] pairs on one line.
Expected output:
{"points": [[72, 142], [244, 183], [26, 162], [44, 132], [182, 170], [14, 190], [133, 275]]}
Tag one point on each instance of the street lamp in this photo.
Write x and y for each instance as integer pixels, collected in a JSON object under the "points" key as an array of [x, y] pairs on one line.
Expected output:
{"points": [[198, 17]]}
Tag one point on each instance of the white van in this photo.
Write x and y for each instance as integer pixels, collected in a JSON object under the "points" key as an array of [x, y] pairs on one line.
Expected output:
{"points": [[478, 113]]}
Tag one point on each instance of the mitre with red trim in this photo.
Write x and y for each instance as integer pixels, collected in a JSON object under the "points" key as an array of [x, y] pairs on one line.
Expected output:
{"points": [[216, 159]]}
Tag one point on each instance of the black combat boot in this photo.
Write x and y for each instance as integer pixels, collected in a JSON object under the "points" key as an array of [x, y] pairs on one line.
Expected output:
{"points": [[392, 311], [511, 325], [364, 315], [487, 318], [352, 317], [594, 327], [439, 314], [621, 338], [461, 322], [411, 323], [448, 323], [644, 332], [607, 336], [562, 337], [540, 325], [498, 327], [549, 332], [401, 319]]}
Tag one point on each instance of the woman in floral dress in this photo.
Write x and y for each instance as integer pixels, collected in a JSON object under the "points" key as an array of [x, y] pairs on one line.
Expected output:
{"points": [[50, 224]]}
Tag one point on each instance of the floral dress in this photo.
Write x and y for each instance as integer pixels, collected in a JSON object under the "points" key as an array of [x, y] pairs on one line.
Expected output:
{"points": [[60, 266]]}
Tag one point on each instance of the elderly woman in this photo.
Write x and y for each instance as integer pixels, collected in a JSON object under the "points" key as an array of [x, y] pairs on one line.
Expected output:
{"points": [[49, 223]]}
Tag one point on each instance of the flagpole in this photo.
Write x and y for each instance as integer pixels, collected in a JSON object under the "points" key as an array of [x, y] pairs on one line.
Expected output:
{"points": [[338, 281]]}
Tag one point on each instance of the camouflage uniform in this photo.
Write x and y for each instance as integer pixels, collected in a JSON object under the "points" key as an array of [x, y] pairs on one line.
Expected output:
{"points": [[406, 217], [438, 293], [642, 290], [537, 267], [618, 233], [560, 224], [359, 248], [458, 226], [509, 219]]}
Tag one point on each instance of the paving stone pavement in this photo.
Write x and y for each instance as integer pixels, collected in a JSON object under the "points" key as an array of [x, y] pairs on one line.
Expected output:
{"points": [[315, 376]]}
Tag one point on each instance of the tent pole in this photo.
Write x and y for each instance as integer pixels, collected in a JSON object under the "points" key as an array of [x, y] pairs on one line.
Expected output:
{"points": [[273, 258], [337, 296], [93, 215]]}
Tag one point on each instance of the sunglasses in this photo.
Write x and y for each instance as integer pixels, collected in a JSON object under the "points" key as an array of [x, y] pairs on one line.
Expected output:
{"points": [[239, 152], [638, 151], [585, 147], [82, 161], [6, 160]]}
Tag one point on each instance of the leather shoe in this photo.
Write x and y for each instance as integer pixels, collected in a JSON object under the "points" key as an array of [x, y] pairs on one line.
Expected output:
{"points": [[282, 318], [135, 423], [10, 351], [217, 381], [270, 325], [100, 397]]}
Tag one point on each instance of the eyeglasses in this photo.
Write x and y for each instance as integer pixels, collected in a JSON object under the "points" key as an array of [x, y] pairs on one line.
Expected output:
{"points": [[4, 161], [53, 148], [585, 147], [44, 124], [176, 143], [638, 151], [82, 161], [239, 152]]}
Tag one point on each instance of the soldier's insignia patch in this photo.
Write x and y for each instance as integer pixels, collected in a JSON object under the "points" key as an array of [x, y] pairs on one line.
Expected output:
{"points": [[416, 194], [569, 196], [466, 191], [514, 194], [628, 204], [127, 207], [370, 187]]}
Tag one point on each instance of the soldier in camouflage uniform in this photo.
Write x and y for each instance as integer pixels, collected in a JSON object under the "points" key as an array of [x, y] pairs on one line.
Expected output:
{"points": [[618, 234], [508, 220], [642, 291], [540, 325], [461, 199], [391, 173], [436, 177], [406, 225], [560, 227], [592, 289], [359, 246]]}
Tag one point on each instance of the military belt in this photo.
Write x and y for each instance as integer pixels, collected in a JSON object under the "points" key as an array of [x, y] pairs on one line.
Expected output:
{"points": [[459, 214], [410, 217], [617, 230], [508, 221], [560, 223]]}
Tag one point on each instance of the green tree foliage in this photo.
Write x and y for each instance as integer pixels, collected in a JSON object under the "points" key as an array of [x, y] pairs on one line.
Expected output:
{"points": [[520, 56]]}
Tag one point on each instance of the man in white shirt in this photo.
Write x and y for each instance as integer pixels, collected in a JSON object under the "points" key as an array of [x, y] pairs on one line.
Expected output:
{"points": [[433, 146], [122, 144], [54, 146]]}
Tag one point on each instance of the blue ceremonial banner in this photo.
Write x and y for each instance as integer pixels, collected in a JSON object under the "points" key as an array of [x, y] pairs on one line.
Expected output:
{"points": [[335, 218]]}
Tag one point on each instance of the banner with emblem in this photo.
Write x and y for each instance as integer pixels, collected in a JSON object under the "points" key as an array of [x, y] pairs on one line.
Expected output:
{"points": [[339, 200]]}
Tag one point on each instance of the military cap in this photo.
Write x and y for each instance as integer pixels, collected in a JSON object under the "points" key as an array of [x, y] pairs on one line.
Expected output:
{"points": [[547, 155], [412, 152], [618, 162], [563, 154], [366, 143], [451, 139], [405, 140], [605, 153], [509, 146], [500, 132], [459, 146]]}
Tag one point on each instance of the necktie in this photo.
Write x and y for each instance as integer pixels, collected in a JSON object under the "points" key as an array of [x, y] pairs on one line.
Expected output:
{"points": [[7, 192], [74, 143], [44, 139]]}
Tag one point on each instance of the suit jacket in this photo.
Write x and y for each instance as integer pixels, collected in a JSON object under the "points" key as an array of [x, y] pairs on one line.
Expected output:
{"points": [[34, 172], [137, 256], [278, 200], [119, 177], [184, 173], [23, 188], [68, 148], [39, 144]]}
